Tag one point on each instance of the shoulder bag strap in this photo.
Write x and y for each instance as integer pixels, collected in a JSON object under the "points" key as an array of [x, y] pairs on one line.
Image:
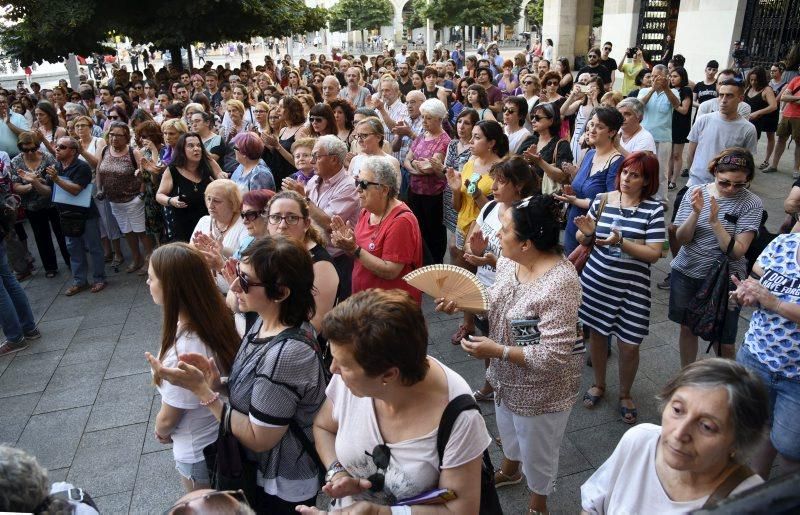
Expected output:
{"points": [[454, 408], [734, 479]]}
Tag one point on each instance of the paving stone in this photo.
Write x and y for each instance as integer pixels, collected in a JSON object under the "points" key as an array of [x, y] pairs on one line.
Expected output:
{"points": [[122, 401], [4, 362], [28, 374], [14, 415], [56, 335], [158, 484], [107, 460], [114, 503], [150, 443], [98, 334], [54, 437], [57, 475], [598, 442], [72, 386], [89, 351], [128, 357]]}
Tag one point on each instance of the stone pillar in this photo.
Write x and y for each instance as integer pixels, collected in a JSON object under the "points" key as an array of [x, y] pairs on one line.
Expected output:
{"points": [[620, 24], [706, 30], [398, 22], [584, 11], [559, 23]]}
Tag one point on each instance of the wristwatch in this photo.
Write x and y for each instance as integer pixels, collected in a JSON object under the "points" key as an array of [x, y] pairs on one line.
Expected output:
{"points": [[357, 252], [334, 469]]}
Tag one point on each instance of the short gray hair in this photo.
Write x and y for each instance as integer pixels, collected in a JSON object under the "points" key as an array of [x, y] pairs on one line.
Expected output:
{"points": [[23, 482], [385, 173], [660, 68], [433, 107], [634, 104], [78, 108], [747, 396], [333, 146]]}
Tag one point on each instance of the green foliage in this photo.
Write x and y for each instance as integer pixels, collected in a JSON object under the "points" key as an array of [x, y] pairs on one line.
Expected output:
{"points": [[472, 12], [51, 29], [415, 18], [534, 12], [364, 14], [597, 13]]}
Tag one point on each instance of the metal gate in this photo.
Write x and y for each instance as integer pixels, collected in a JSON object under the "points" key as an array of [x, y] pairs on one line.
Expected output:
{"points": [[657, 20], [770, 29]]}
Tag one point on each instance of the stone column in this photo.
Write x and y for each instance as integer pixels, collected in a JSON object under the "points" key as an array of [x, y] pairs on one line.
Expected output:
{"points": [[620, 24], [398, 21], [559, 23]]}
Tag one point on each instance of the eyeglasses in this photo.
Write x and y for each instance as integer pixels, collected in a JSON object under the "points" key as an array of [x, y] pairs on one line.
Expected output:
{"points": [[361, 137], [509, 111], [315, 156], [527, 82], [728, 184], [289, 219], [236, 149], [243, 282], [552, 83], [259, 111], [183, 507], [113, 117], [115, 135], [360, 183], [27, 150], [316, 119], [539, 118], [250, 215], [595, 56], [607, 49], [381, 455]]}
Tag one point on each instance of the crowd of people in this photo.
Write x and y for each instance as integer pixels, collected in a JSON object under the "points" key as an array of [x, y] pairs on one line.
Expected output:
{"points": [[274, 210]]}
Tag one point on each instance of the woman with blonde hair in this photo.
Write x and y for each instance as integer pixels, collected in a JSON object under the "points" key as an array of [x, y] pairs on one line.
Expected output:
{"points": [[295, 81], [369, 135], [195, 320]]}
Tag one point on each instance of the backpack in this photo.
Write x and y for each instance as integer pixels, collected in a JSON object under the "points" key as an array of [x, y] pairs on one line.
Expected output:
{"points": [[490, 502], [9, 206]]}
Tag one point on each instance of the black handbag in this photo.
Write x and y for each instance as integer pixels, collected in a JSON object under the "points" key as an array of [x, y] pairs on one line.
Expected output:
{"points": [[706, 313], [73, 224], [227, 463]]}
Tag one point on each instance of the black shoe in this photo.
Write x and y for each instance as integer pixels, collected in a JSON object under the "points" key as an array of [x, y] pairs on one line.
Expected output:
{"points": [[33, 335], [685, 172], [664, 285]]}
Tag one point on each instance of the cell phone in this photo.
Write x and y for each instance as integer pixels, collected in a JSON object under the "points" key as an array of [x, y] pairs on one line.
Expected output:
{"points": [[631, 53], [183, 199], [583, 88]]}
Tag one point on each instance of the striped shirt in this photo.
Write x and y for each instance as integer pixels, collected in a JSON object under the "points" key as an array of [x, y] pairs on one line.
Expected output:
{"points": [[739, 213]]}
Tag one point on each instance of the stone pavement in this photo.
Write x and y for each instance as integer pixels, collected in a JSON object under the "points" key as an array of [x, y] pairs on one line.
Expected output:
{"points": [[82, 401]]}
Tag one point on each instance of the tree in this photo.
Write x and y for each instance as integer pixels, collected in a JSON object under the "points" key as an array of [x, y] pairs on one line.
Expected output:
{"points": [[415, 18], [363, 15], [472, 12], [52, 29], [534, 12]]}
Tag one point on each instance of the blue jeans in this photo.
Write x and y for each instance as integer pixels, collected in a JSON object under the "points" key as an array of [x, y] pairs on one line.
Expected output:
{"points": [[15, 310], [78, 248]]}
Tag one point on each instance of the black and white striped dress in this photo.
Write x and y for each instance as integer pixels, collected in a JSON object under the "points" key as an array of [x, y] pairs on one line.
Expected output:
{"points": [[616, 286]]}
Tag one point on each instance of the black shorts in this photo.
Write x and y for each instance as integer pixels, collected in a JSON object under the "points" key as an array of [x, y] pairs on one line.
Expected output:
{"points": [[677, 204]]}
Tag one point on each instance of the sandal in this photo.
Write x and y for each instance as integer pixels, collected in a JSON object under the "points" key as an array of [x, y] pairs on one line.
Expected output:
{"points": [[501, 479], [589, 400], [117, 261], [462, 333], [133, 267], [98, 287], [109, 258], [480, 396], [144, 269], [629, 415], [763, 165], [671, 186], [74, 289], [50, 274]]}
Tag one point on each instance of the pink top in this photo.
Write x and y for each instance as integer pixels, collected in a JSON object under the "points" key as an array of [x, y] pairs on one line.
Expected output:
{"points": [[335, 196], [431, 184], [542, 318]]}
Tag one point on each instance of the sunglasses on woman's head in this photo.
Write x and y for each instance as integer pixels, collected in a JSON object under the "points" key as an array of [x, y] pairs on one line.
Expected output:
{"points": [[183, 507], [244, 283]]}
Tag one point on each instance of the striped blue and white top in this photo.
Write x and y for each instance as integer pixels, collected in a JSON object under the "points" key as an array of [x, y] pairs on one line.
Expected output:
{"points": [[739, 213]]}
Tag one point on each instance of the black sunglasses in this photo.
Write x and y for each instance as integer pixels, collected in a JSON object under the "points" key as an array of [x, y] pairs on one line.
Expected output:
{"points": [[243, 282], [183, 507], [507, 110], [365, 184], [316, 119], [381, 455], [250, 215], [26, 150], [539, 118]]}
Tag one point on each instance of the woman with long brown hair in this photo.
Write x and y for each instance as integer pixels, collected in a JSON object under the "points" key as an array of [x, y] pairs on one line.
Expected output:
{"points": [[195, 320]]}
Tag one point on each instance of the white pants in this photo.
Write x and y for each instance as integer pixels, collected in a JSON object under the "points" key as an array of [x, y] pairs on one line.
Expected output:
{"points": [[534, 441], [129, 215], [664, 155]]}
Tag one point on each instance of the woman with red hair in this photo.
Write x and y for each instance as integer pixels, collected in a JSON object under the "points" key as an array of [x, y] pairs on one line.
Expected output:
{"points": [[628, 236]]}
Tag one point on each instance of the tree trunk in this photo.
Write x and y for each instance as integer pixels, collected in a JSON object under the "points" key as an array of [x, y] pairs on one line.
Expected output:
{"points": [[175, 54], [189, 56]]}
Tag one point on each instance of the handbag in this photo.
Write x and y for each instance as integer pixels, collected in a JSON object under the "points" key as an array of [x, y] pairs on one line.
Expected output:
{"points": [[73, 224], [707, 310], [549, 185], [580, 255], [227, 463]]}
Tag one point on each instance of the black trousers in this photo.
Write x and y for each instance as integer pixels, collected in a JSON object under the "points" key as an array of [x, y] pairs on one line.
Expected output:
{"points": [[429, 210], [42, 223], [273, 505], [344, 269]]}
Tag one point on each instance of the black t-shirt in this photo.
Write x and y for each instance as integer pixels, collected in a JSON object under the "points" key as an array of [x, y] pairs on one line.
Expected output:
{"points": [[610, 64], [406, 87], [705, 91], [602, 71], [79, 173]]}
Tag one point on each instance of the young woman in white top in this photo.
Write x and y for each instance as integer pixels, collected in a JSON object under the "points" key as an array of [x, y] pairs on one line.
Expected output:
{"points": [[195, 320]]}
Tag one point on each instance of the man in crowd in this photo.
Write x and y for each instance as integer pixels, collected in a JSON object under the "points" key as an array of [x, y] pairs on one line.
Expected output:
{"points": [[595, 69], [404, 78], [406, 131], [389, 106], [330, 88], [609, 63], [484, 78], [789, 127], [354, 92]]}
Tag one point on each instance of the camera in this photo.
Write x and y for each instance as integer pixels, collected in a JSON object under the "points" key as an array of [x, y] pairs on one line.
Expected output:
{"points": [[631, 53]]}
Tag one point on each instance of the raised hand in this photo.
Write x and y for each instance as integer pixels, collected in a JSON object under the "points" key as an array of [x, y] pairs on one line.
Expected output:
{"points": [[453, 179], [713, 210], [697, 200], [478, 242], [585, 224]]}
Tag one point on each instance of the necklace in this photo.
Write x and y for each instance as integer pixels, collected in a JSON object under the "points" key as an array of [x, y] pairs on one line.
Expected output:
{"points": [[221, 231], [622, 208], [371, 245]]}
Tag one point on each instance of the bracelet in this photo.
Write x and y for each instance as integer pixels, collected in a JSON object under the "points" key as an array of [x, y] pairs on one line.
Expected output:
{"points": [[357, 252], [506, 351], [401, 510], [211, 400]]}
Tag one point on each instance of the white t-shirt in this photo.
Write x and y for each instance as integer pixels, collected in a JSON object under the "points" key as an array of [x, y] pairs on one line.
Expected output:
{"points": [[490, 227], [627, 482], [198, 427], [515, 139], [231, 241], [642, 141], [414, 464], [713, 134]]}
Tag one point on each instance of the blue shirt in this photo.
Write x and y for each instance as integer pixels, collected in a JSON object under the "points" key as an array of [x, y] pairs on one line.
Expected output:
{"points": [[658, 114], [773, 339], [8, 140], [259, 178]]}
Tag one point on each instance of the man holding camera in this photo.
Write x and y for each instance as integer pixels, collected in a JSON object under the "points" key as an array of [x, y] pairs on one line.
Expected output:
{"points": [[630, 66]]}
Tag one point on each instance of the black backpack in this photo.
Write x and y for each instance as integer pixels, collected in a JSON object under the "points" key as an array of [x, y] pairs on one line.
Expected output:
{"points": [[490, 502]]}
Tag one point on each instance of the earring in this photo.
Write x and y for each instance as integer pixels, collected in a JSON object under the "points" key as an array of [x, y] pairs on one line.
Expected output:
{"points": [[385, 383]]}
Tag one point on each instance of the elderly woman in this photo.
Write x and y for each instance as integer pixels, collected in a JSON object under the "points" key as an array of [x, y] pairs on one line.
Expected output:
{"points": [[369, 136], [288, 215], [277, 380], [237, 125], [387, 398], [713, 412], [426, 184], [629, 234], [183, 185], [386, 243], [252, 173], [39, 210], [633, 137], [533, 318], [118, 180], [172, 130], [720, 217], [770, 346], [597, 173], [508, 81]]}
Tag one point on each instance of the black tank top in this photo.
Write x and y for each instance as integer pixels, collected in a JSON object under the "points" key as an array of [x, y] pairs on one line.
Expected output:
{"points": [[757, 102], [280, 167], [194, 194]]}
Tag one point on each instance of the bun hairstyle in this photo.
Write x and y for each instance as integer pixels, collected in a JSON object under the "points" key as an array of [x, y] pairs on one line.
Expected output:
{"points": [[733, 159], [536, 219]]}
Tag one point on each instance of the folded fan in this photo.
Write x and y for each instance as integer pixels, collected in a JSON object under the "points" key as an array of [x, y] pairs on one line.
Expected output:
{"points": [[452, 282]]}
